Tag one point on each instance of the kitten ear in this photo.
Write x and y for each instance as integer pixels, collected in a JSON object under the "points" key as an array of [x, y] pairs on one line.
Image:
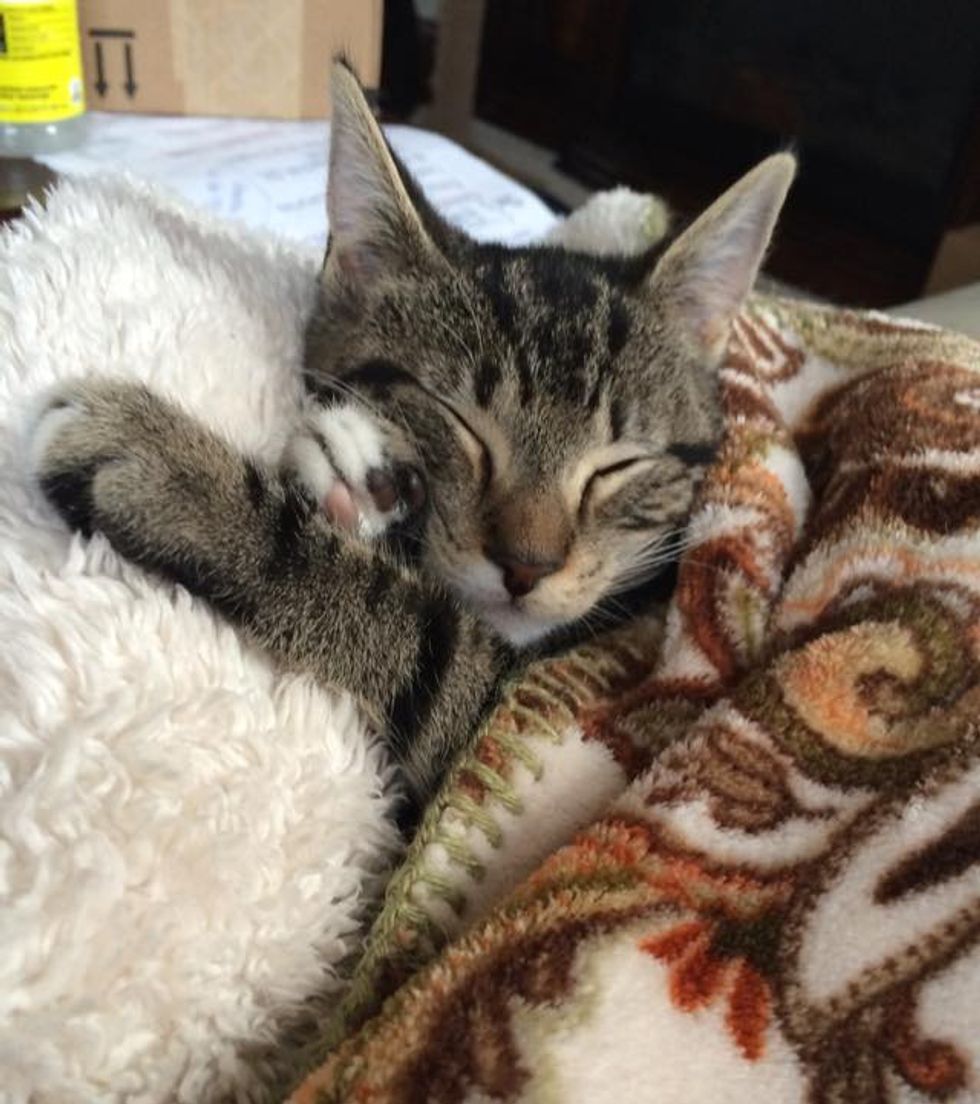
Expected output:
{"points": [[705, 276], [374, 225]]}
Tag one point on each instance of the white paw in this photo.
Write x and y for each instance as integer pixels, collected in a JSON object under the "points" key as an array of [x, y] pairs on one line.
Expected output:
{"points": [[52, 415], [341, 458]]}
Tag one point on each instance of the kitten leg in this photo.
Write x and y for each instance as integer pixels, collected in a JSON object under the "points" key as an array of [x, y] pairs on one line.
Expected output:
{"points": [[177, 500]]}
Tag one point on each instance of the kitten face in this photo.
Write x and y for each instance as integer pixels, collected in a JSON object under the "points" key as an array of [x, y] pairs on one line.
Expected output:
{"points": [[554, 431], [561, 408]]}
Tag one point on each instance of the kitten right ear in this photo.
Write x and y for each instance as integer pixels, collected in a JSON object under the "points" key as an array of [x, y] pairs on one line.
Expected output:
{"points": [[707, 273], [374, 226]]}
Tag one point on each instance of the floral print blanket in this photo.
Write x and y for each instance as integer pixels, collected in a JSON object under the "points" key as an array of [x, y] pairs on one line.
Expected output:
{"points": [[733, 851]]}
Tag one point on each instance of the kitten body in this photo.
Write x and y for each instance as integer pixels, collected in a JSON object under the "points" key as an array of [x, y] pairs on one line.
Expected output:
{"points": [[495, 443]]}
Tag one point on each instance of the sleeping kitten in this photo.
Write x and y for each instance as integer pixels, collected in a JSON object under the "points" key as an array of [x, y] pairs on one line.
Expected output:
{"points": [[496, 441]]}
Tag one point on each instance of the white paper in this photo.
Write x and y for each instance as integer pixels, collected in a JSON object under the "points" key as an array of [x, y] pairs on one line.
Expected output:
{"points": [[271, 174]]}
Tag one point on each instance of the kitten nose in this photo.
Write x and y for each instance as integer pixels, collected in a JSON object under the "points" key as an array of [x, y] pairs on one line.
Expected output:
{"points": [[528, 537], [521, 577]]}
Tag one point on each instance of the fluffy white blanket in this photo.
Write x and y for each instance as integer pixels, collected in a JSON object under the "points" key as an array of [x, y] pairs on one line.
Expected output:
{"points": [[188, 840], [187, 837]]}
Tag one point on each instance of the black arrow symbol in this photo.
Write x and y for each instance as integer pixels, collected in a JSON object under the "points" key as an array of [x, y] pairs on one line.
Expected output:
{"points": [[130, 84], [100, 84]]}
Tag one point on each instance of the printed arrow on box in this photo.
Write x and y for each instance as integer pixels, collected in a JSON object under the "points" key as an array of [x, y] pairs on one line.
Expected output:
{"points": [[100, 84], [130, 84]]}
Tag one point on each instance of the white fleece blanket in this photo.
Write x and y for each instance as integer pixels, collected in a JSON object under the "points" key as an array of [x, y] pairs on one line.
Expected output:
{"points": [[186, 837], [188, 840]]}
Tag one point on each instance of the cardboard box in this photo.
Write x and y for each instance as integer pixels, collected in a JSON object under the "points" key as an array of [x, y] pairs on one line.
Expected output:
{"points": [[224, 57]]}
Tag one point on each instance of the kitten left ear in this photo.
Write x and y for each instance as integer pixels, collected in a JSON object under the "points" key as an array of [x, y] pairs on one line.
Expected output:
{"points": [[374, 225], [705, 276]]}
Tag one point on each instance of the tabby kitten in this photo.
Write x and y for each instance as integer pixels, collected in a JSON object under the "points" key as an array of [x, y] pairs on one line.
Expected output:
{"points": [[495, 442]]}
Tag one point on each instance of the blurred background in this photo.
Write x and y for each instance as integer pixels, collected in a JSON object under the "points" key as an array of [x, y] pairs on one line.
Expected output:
{"points": [[880, 98]]}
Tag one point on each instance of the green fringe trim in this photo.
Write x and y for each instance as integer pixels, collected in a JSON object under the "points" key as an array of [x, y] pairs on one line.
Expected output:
{"points": [[404, 935]]}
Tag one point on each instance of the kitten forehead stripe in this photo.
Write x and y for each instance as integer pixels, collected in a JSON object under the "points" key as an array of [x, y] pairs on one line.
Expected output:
{"points": [[499, 295], [486, 381], [617, 418], [617, 327], [525, 377]]}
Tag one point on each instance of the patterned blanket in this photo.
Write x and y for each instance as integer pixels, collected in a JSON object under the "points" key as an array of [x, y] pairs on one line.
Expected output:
{"points": [[732, 852]]}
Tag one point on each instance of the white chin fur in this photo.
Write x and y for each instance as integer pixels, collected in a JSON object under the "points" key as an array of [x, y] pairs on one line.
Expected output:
{"points": [[516, 627], [480, 587]]}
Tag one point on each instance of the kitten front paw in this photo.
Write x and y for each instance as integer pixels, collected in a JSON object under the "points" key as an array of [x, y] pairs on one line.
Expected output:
{"points": [[343, 459], [82, 428], [114, 456]]}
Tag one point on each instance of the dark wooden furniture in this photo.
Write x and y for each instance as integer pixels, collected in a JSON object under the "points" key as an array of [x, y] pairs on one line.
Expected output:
{"points": [[880, 99]]}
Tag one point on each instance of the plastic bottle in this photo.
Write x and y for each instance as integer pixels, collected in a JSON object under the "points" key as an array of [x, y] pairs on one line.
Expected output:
{"points": [[42, 95]]}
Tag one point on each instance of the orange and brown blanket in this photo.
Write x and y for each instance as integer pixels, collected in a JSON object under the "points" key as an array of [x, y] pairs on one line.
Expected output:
{"points": [[731, 853]]}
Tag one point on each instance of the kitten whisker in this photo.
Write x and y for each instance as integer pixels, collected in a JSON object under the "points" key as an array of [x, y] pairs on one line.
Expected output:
{"points": [[345, 388], [662, 553]]}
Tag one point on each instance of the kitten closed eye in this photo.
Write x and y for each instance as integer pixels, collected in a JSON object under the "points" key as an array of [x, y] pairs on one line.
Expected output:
{"points": [[606, 480]]}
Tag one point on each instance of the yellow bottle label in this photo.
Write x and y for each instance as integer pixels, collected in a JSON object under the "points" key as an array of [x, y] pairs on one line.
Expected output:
{"points": [[40, 62]]}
